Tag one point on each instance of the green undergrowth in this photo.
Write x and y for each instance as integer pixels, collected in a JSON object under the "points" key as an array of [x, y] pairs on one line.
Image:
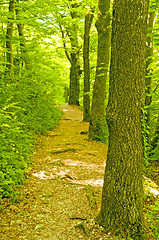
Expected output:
{"points": [[151, 209], [27, 110], [152, 217]]}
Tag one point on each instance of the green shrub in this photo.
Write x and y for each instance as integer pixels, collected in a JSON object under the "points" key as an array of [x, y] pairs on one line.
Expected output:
{"points": [[27, 108], [15, 148]]}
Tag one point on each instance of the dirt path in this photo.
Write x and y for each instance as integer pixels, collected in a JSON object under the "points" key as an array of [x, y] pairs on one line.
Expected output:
{"points": [[56, 202]]}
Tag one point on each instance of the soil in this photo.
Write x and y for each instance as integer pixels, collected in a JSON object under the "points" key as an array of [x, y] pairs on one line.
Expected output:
{"points": [[62, 194]]}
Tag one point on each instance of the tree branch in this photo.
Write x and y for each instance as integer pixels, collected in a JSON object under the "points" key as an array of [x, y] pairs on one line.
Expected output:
{"points": [[155, 88], [64, 44]]}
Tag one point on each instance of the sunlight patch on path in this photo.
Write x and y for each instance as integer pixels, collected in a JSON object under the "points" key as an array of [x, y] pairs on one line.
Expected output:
{"points": [[92, 182], [153, 191], [97, 168], [64, 174], [42, 175], [72, 112]]}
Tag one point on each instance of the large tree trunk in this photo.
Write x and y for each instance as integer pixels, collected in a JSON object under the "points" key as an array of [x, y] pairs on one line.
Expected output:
{"points": [[75, 66], [74, 79], [122, 198], [86, 92], [98, 102], [9, 47]]}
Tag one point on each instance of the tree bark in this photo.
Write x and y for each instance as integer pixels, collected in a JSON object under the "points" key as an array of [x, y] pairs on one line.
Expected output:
{"points": [[122, 197], [86, 93], [75, 65], [98, 102], [73, 58], [74, 79], [9, 47]]}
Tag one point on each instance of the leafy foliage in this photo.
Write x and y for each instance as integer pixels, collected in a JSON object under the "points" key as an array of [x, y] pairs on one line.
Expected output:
{"points": [[27, 108], [29, 96], [15, 146]]}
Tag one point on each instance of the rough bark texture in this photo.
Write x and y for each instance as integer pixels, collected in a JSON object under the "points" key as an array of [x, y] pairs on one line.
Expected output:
{"points": [[74, 79], [98, 101], [75, 66], [86, 95], [122, 198], [148, 79], [9, 49]]}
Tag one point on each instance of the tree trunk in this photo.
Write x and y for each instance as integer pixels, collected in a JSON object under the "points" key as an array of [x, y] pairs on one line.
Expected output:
{"points": [[98, 102], [21, 33], [122, 198], [73, 57], [75, 66], [9, 47], [86, 94], [3, 44], [74, 79], [74, 69]]}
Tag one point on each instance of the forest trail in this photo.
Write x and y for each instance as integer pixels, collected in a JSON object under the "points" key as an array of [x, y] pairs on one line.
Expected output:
{"points": [[56, 202]]}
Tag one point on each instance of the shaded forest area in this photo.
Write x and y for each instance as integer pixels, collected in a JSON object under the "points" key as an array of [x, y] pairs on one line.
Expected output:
{"points": [[69, 52]]}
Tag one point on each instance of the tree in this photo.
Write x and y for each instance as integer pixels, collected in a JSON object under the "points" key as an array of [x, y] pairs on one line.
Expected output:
{"points": [[98, 102], [9, 48], [2, 42], [20, 26], [70, 29], [86, 95], [75, 66], [122, 197]]}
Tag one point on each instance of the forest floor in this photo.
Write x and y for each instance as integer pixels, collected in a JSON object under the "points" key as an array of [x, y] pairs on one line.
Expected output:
{"points": [[62, 195]]}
